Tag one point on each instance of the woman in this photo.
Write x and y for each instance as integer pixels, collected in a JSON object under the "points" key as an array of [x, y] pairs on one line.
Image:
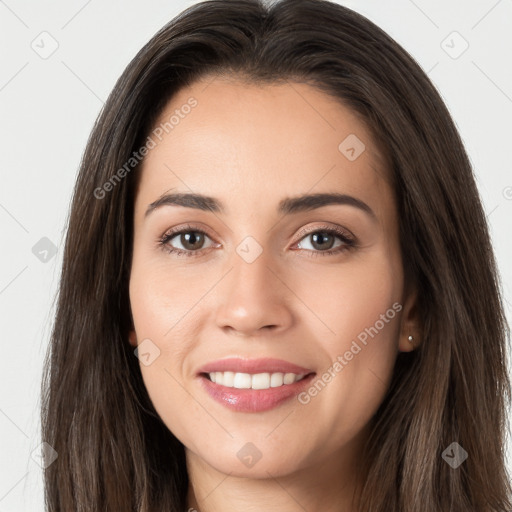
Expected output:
{"points": [[278, 289]]}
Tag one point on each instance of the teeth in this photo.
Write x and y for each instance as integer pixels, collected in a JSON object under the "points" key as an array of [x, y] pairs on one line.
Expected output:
{"points": [[254, 381]]}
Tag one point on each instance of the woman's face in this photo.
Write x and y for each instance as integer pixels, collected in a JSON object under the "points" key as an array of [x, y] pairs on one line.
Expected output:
{"points": [[291, 252]]}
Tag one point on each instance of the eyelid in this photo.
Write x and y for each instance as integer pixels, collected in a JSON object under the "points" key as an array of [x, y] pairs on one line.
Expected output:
{"points": [[303, 232], [186, 228], [342, 232]]}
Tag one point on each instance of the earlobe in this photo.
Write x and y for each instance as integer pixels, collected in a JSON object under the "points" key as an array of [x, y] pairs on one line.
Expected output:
{"points": [[410, 332], [132, 338]]}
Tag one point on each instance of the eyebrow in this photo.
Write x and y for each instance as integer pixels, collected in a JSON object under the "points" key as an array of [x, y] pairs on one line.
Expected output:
{"points": [[286, 206]]}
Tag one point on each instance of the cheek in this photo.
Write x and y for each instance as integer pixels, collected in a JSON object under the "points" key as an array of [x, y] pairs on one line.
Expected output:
{"points": [[162, 296], [357, 311], [344, 300], [362, 308], [162, 314]]}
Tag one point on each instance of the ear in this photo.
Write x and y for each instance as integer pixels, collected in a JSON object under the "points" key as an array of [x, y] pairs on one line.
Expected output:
{"points": [[132, 338], [410, 323]]}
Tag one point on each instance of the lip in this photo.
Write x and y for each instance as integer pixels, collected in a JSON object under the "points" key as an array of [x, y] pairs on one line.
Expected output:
{"points": [[253, 400], [253, 366]]}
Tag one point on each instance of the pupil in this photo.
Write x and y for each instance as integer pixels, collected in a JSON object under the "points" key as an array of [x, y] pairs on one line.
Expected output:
{"points": [[189, 240], [321, 240]]}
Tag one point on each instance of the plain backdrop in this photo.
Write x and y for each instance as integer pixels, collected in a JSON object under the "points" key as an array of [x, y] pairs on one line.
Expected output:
{"points": [[59, 61]]}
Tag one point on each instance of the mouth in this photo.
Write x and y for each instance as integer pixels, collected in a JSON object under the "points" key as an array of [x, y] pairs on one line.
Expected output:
{"points": [[253, 385]]}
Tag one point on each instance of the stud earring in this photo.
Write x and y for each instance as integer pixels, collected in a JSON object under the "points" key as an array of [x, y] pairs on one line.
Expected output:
{"points": [[410, 338]]}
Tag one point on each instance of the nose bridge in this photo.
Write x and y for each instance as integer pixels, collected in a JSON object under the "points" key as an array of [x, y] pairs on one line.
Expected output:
{"points": [[250, 275], [252, 297], [253, 274]]}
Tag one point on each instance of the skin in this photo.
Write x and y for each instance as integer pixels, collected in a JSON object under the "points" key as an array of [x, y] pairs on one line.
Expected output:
{"points": [[251, 146]]}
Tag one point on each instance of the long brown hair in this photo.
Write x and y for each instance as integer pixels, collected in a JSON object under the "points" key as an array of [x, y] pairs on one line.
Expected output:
{"points": [[114, 452]]}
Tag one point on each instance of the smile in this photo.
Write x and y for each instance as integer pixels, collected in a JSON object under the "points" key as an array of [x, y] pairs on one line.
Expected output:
{"points": [[255, 381]]}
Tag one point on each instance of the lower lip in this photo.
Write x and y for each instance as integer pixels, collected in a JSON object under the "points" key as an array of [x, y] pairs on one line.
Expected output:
{"points": [[253, 400]]}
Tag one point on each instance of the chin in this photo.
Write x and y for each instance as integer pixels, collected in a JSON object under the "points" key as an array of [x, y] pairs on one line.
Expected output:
{"points": [[241, 465]]}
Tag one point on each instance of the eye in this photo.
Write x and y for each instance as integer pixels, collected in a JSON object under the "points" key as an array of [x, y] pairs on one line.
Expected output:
{"points": [[187, 241], [326, 241]]}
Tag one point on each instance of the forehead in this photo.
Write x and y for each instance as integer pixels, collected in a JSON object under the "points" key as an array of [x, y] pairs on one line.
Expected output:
{"points": [[250, 144]]}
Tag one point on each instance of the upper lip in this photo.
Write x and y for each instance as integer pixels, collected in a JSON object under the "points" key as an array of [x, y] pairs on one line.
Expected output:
{"points": [[253, 366]]}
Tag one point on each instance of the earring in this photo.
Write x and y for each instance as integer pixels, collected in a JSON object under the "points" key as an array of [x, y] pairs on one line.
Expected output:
{"points": [[410, 338]]}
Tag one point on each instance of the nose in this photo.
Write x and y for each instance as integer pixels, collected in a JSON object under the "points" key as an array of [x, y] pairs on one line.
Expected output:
{"points": [[254, 299]]}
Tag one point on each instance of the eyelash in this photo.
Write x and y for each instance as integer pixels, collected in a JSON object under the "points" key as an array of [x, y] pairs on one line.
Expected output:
{"points": [[348, 241]]}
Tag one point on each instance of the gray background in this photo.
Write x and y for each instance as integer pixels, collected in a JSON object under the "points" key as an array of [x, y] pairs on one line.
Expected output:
{"points": [[49, 101]]}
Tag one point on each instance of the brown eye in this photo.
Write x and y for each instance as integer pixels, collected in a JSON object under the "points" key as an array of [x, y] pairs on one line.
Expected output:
{"points": [[322, 240], [187, 241], [192, 240]]}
